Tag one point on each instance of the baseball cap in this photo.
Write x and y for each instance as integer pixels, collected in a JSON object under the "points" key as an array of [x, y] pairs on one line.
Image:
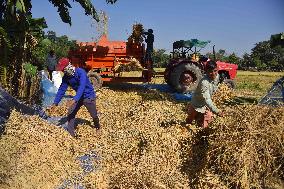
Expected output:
{"points": [[62, 63]]}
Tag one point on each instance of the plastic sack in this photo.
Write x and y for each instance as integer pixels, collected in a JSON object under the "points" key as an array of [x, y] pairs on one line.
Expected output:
{"points": [[48, 89], [56, 79]]}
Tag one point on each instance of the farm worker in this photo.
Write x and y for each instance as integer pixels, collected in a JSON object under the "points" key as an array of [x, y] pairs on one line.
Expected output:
{"points": [[149, 40], [51, 62], [202, 107], [85, 95]]}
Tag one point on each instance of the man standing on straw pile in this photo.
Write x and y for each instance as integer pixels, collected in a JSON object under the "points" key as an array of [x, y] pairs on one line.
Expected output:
{"points": [[85, 95], [202, 106], [149, 40]]}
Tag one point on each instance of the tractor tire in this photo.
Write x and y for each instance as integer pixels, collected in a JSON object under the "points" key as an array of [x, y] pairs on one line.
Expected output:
{"points": [[185, 77], [230, 83], [95, 79]]}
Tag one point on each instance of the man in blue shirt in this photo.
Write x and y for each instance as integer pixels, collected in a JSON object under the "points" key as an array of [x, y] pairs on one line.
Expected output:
{"points": [[78, 80]]}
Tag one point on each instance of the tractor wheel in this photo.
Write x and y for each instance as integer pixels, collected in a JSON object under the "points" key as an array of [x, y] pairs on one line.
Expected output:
{"points": [[185, 77], [230, 83], [95, 79]]}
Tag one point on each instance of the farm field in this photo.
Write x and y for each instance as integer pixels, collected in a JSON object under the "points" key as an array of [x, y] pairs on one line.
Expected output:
{"points": [[255, 84], [145, 143]]}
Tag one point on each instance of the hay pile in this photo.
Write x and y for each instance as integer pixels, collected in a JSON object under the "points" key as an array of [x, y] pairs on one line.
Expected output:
{"points": [[127, 65], [222, 95], [137, 34], [145, 143], [245, 150], [35, 154]]}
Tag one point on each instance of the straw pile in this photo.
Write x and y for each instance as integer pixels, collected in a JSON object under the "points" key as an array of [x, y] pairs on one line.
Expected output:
{"points": [[222, 95], [137, 33], [34, 154], [244, 150], [144, 143], [127, 65]]}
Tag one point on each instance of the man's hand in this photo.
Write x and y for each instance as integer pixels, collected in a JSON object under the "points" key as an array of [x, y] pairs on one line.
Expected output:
{"points": [[70, 103]]}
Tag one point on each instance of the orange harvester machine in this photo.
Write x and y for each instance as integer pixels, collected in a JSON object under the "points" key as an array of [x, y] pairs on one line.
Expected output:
{"points": [[103, 56]]}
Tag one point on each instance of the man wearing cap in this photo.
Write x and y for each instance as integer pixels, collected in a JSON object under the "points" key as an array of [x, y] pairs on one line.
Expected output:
{"points": [[85, 95]]}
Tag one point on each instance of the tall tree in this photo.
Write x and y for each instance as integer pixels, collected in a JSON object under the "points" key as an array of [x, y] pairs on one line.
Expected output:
{"points": [[233, 58], [264, 56], [245, 62], [160, 58]]}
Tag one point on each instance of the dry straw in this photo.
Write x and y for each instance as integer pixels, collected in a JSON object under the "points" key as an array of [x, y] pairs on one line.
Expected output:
{"points": [[127, 65], [144, 143]]}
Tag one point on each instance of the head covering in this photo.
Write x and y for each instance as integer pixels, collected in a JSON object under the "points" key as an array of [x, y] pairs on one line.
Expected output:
{"points": [[69, 70], [62, 63]]}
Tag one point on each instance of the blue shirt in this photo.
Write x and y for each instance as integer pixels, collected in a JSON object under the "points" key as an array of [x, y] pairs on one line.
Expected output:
{"points": [[79, 82]]}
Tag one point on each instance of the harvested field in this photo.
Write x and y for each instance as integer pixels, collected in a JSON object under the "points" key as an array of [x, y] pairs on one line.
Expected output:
{"points": [[145, 143]]}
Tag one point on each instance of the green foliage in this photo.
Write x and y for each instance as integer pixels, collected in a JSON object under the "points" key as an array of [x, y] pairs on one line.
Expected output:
{"points": [[277, 40], [5, 47], [258, 63], [249, 85], [64, 6], [233, 58], [264, 56], [245, 61], [30, 69], [61, 45], [111, 1], [220, 55], [160, 58]]}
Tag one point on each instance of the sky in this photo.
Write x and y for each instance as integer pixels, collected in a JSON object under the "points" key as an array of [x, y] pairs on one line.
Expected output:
{"points": [[233, 25]]}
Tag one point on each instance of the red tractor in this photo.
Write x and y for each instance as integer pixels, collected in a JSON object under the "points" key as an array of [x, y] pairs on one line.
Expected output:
{"points": [[185, 70]]}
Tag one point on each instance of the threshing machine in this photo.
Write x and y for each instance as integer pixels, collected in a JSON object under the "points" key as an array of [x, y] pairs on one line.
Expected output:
{"points": [[100, 59]]}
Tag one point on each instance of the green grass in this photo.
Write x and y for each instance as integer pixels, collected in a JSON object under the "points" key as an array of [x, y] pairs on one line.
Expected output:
{"points": [[255, 84], [266, 74]]}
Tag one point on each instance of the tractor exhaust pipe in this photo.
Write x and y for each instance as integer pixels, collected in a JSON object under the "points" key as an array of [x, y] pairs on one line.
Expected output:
{"points": [[214, 53]]}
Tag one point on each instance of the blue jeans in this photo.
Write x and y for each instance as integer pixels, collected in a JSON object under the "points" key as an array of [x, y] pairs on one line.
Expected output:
{"points": [[90, 104]]}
